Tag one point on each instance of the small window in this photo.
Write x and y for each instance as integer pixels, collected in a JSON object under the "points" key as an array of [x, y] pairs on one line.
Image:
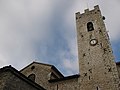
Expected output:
{"points": [[90, 26], [32, 77], [33, 67]]}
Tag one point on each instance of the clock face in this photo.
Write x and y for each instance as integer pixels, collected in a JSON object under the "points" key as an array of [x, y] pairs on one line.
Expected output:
{"points": [[93, 42]]}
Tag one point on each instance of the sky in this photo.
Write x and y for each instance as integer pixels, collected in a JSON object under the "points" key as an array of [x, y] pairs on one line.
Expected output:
{"points": [[45, 31]]}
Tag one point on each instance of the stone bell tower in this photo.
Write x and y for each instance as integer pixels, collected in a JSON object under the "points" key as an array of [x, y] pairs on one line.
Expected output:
{"points": [[97, 66]]}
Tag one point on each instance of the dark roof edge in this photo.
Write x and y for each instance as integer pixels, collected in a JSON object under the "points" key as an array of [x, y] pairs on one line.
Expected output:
{"points": [[65, 78], [20, 75], [117, 63], [56, 70], [36, 63]]}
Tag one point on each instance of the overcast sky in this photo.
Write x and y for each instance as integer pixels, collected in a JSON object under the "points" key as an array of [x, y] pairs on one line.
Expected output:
{"points": [[45, 31]]}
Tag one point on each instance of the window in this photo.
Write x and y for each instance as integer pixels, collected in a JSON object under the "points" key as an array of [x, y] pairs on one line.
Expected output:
{"points": [[90, 26], [32, 77], [33, 67]]}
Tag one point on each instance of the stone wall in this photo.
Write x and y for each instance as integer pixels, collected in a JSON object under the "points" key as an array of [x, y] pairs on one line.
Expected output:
{"points": [[41, 72], [71, 84], [3, 79], [118, 68], [9, 81]]}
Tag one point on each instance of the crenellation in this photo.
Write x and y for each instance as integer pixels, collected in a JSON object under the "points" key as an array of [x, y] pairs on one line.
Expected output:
{"points": [[77, 15], [86, 11], [96, 7]]}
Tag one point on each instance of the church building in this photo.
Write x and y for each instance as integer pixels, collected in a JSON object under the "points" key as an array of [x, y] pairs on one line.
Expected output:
{"points": [[97, 67]]}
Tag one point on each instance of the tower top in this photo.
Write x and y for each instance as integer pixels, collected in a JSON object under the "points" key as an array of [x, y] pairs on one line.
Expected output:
{"points": [[87, 11]]}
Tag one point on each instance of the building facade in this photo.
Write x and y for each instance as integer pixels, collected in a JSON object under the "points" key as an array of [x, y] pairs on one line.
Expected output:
{"points": [[97, 66], [98, 70]]}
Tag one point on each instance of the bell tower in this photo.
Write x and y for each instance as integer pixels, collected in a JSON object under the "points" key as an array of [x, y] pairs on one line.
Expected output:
{"points": [[96, 62]]}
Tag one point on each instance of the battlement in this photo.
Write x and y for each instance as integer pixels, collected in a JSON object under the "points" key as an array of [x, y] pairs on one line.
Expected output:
{"points": [[87, 11]]}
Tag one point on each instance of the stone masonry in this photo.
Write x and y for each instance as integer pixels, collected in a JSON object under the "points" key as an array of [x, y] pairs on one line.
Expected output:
{"points": [[11, 79], [97, 66]]}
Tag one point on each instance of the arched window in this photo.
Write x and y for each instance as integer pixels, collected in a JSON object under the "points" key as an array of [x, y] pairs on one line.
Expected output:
{"points": [[90, 26], [32, 77]]}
